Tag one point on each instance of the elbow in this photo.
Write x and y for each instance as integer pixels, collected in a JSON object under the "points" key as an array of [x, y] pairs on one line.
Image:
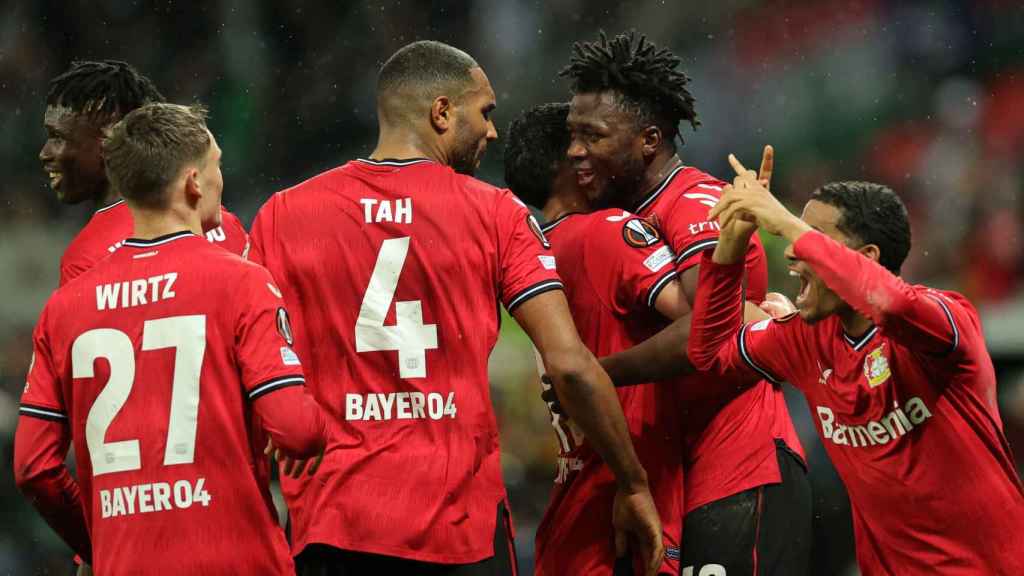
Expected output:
{"points": [[570, 367], [27, 477]]}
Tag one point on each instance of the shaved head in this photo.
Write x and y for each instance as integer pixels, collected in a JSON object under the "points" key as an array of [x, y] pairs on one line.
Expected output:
{"points": [[418, 73]]}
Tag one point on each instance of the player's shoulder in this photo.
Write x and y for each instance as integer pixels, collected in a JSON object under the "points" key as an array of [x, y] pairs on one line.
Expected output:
{"points": [[954, 304], [696, 187]]}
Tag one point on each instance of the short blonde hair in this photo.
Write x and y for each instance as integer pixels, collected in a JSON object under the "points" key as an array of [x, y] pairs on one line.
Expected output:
{"points": [[146, 150]]}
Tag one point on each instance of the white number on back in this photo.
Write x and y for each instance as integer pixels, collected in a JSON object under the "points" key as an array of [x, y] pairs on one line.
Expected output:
{"points": [[187, 335], [409, 336]]}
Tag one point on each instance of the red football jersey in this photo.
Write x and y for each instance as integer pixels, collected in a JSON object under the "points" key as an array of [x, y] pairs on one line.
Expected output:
{"points": [[110, 226], [155, 363], [395, 272], [730, 440], [907, 411], [614, 265]]}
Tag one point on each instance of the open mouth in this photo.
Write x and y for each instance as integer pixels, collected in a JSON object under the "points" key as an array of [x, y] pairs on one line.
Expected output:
{"points": [[805, 287], [584, 177]]}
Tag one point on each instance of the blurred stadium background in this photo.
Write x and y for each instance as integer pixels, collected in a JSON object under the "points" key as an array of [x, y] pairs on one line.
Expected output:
{"points": [[927, 97]]}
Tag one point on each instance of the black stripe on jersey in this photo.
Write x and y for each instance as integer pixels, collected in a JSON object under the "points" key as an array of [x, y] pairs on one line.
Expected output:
{"points": [[105, 208], [657, 191], [652, 294], [538, 288], [949, 316], [140, 243], [750, 361], [393, 162], [858, 344], [42, 412], [695, 248], [275, 384], [549, 225]]}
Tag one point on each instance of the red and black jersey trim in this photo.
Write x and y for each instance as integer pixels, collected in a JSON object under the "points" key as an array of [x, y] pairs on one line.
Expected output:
{"points": [[647, 200], [652, 293], [863, 340], [745, 354], [696, 248], [159, 240], [531, 291], [393, 161], [952, 323], [108, 207], [549, 225], [275, 384], [42, 412]]}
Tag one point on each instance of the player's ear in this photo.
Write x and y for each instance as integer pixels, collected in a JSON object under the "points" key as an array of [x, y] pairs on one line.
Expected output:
{"points": [[872, 251], [441, 114], [650, 140], [193, 191]]}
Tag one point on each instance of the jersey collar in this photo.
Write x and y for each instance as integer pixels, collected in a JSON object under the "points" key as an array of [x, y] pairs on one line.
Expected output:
{"points": [[394, 161], [650, 198], [859, 343], [549, 225], [109, 206], [159, 240]]}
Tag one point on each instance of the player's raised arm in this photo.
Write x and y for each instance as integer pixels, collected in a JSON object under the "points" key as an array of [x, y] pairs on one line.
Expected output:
{"points": [[587, 395], [861, 275], [40, 446]]}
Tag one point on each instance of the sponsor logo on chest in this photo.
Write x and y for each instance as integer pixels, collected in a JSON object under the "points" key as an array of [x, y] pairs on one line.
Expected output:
{"points": [[892, 426]]}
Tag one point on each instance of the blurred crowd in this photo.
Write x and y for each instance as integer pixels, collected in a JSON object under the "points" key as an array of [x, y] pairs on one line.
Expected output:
{"points": [[922, 96]]}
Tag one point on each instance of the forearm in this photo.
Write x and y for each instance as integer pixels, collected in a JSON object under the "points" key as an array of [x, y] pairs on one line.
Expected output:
{"points": [[587, 396], [660, 357], [718, 311], [295, 422], [41, 475]]}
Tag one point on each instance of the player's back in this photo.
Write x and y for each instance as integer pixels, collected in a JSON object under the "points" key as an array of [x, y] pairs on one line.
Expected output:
{"points": [[395, 272], [144, 347], [111, 225], [614, 266]]}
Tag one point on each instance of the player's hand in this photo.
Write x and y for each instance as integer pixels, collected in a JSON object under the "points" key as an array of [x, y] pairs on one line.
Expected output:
{"points": [[293, 466], [747, 199], [777, 305], [84, 570], [638, 529]]}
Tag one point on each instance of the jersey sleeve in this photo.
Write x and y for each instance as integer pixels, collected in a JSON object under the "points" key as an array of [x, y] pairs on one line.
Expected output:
{"points": [[41, 444], [690, 232], [719, 341], [263, 337], [261, 248], [628, 263], [526, 264], [43, 396], [921, 319]]}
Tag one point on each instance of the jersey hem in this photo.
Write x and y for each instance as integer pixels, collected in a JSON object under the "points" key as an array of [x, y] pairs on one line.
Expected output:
{"points": [[530, 292]]}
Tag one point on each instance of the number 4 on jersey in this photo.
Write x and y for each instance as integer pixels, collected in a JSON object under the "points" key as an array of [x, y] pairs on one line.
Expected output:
{"points": [[409, 336]]}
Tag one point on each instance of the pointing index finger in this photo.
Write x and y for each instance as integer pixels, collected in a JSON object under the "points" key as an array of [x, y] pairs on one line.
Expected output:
{"points": [[737, 166]]}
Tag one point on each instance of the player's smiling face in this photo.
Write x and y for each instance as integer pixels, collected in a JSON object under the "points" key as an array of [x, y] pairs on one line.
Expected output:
{"points": [[816, 301], [71, 155], [605, 146], [474, 128]]}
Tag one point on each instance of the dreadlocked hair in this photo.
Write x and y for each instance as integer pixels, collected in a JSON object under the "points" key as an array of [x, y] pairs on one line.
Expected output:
{"points": [[646, 78], [102, 89]]}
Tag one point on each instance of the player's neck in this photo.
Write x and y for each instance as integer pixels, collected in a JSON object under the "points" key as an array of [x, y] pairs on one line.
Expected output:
{"points": [[854, 324], [151, 224], [560, 205], [106, 197], [405, 145], [665, 161]]}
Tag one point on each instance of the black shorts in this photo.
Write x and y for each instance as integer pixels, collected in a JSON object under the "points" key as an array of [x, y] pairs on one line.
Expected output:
{"points": [[323, 560], [759, 532]]}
